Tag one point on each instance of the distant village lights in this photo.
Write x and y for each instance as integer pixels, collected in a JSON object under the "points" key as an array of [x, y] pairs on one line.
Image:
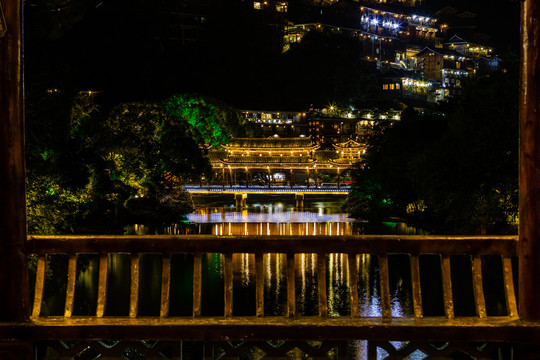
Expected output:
{"points": [[375, 22]]}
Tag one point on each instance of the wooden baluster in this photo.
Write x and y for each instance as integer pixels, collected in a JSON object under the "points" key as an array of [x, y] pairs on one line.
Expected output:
{"points": [[102, 286], [385, 286], [228, 279], [40, 282], [70, 293], [447, 287], [197, 284], [416, 287], [165, 286], [321, 277], [259, 283], [134, 292], [478, 287], [353, 284], [511, 304], [291, 299]]}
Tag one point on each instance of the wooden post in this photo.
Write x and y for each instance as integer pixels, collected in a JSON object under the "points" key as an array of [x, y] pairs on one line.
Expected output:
{"points": [[13, 264], [529, 191], [223, 178], [292, 178]]}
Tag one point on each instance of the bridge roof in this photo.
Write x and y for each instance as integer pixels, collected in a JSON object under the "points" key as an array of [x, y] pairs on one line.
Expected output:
{"points": [[271, 143], [350, 144]]}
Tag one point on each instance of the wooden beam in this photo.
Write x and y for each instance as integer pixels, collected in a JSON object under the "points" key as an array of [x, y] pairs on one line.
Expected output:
{"points": [[529, 197], [13, 262], [478, 285], [447, 287], [321, 277], [291, 298], [384, 279], [165, 286], [374, 244], [468, 329], [353, 281], [70, 291], [416, 288], [259, 283]]}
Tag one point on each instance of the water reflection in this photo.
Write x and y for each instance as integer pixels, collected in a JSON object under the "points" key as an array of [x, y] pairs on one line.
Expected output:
{"points": [[322, 218]]}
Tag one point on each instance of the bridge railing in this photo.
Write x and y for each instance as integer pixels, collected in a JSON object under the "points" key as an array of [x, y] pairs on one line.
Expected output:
{"points": [[417, 329], [449, 326]]}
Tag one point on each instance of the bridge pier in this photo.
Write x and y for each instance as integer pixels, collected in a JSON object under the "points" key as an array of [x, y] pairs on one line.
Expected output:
{"points": [[299, 197], [241, 200]]}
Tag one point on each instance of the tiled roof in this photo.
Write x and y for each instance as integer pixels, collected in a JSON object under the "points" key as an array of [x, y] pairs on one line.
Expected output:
{"points": [[270, 143]]}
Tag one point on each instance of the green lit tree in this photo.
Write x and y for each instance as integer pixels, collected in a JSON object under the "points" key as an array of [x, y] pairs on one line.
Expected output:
{"points": [[209, 121]]}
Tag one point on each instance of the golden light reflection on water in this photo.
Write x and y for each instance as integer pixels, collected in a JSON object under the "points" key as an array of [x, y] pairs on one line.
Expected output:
{"points": [[270, 228], [338, 285], [278, 220]]}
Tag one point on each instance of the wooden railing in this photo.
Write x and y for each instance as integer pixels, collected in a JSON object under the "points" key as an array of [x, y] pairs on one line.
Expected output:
{"points": [[292, 326]]}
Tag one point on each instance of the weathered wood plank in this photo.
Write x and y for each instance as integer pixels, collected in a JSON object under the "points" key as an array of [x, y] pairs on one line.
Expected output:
{"points": [[228, 288], [511, 304], [40, 283], [254, 328], [447, 288], [165, 286], [102, 285], [70, 291], [197, 284], [416, 288], [259, 283], [291, 298], [321, 279], [529, 176], [353, 284], [13, 257], [385, 286], [478, 287], [134, 291], [374, 244]]}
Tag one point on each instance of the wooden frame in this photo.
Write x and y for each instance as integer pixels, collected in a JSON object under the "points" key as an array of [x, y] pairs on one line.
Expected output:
{"points": [[14, 309]]}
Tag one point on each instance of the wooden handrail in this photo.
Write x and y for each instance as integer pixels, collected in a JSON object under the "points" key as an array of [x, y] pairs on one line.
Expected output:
{"points": [[348, 244]]}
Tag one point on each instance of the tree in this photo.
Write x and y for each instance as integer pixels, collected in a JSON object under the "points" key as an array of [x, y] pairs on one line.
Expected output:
{"points": [[208, 120], [454, 173]]}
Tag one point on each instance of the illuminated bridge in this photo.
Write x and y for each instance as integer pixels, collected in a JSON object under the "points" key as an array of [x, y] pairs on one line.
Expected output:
{"points": [[282, 161], [241, 192]]}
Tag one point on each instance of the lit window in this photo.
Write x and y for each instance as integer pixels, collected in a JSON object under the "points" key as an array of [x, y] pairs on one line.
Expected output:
{"points": [[397, 86], [391, 86], [385, 86], [257, 5], [281, 7]]}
